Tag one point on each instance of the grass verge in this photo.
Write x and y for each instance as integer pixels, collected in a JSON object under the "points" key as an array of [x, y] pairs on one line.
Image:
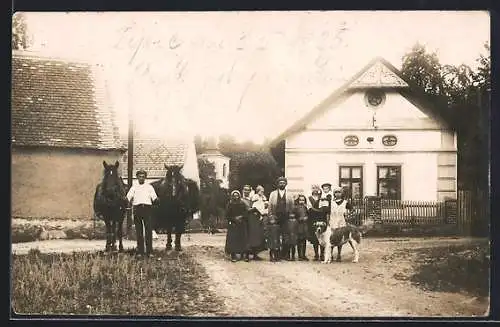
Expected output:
{"points": [[170, 284]]}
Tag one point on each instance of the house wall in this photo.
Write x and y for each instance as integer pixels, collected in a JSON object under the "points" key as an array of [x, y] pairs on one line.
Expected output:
{"points": [[219, 162], [425, 150], [56, 183]]}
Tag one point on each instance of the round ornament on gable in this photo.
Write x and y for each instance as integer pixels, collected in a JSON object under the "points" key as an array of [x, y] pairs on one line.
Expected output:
{"points": [[351, 140], [389, 140], [374, 98]]}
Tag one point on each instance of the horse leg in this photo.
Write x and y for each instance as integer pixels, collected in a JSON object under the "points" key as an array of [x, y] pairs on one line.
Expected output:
{"points": [[113, 235], [355, 250], [120, 235], [169, 237], [108, 233], [178, 241]]}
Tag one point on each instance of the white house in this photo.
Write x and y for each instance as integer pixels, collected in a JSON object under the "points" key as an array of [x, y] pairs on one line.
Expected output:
{"points": [[373, 136], [220, 161]]}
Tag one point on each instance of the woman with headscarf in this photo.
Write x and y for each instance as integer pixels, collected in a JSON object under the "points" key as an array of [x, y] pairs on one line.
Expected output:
{"points": [[315, 214], [256, 240], [340, 209], [237, 228]]}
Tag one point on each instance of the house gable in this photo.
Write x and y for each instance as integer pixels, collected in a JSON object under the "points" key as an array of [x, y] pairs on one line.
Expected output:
{"points": [[378, 74], [395, 113]]}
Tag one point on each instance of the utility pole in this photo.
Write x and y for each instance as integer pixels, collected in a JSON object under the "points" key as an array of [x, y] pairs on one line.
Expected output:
{"points": [[130, 157]]}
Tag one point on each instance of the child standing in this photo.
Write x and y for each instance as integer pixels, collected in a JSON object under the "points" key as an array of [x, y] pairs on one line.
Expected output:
{"points": [[290, 237], [302, 229], [273, 238]]}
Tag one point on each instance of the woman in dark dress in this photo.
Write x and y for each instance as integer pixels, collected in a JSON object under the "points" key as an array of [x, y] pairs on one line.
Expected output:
{"points": [[256, 239], [315, 214], [237, 228]]}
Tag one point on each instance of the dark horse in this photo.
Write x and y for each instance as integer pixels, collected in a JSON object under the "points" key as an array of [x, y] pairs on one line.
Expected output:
{"points": [[110, 205], [179, 199]]}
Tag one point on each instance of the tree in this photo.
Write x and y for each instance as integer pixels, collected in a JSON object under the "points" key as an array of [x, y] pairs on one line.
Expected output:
{"points": [[213, 198], [20, 36], [460, 93]]}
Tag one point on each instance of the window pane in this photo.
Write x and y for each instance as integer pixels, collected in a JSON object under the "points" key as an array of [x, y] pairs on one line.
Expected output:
{"points": [[383, 191], [356, 172], [356, 190], [344, 184], [382, 172], [393, 171], [344, 172]]}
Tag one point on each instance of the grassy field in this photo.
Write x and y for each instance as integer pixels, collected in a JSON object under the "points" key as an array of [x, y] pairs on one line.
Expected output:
{"points": [[171, 284]]}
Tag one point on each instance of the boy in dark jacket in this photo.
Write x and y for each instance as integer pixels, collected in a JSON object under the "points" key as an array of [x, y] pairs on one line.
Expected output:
{"points": [[273, 238], [302, 230], [290, 236]]}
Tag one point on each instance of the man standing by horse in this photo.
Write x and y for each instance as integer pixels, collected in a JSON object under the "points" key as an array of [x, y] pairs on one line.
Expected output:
{"points": [[281, 204], [142, 196]]}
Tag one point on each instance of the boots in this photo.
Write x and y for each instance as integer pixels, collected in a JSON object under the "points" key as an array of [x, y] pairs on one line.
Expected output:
{"points": [[316, 253], [302, 251]]}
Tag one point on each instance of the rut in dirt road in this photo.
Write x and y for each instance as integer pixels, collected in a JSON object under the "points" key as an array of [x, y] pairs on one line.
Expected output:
{"points": [[286, 289]]}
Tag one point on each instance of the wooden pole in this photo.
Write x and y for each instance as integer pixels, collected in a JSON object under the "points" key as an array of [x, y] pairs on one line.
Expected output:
{"points": [[130, 163]]}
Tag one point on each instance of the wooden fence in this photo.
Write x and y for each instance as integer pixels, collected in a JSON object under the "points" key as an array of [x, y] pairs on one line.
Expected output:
{"points": [[469, 212]]}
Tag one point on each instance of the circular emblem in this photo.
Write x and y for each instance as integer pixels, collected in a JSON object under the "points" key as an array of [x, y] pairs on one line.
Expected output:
{"points": [[374, 98], [351, 140], [389, 140]]}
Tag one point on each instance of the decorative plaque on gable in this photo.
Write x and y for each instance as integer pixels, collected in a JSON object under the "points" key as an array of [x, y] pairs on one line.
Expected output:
{"points": [[389, 140], [351, 140]]}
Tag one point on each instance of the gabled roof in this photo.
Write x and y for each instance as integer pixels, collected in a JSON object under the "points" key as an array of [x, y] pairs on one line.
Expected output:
{"points": [[378, 73], [59, 103], [151, 154]]}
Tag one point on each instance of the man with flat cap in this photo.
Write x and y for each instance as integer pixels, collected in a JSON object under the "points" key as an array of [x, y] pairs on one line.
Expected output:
{"points": [[281, 204], [142, 196]]}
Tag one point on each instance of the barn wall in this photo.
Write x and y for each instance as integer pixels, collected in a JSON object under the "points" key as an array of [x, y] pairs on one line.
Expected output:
{"points": [[56, 183]]}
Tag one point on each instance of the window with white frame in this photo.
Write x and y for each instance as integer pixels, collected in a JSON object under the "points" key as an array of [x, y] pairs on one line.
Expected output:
{"points": [[351, 180], [389, 182]]}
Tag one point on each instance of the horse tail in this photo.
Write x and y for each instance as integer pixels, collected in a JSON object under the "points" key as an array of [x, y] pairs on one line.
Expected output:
{"points": [[356, 235], [97, 196]]}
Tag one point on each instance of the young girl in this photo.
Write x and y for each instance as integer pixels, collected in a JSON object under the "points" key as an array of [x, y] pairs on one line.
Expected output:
{"points": [[339, 209], [302, 229], [273, 238], [290, 237], [315, 214]]}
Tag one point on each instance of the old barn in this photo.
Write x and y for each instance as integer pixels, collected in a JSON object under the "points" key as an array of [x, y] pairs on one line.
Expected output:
{"points": [[63, 127], [373, 136]]}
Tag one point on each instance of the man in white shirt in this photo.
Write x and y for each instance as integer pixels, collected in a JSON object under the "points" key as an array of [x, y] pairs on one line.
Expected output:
{"points": [[142, 196]]}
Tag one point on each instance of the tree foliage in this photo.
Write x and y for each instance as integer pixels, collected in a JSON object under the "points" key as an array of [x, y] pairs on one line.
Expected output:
{"points": [[213, 198], [462, 95], [250, 163], [20, 37]]}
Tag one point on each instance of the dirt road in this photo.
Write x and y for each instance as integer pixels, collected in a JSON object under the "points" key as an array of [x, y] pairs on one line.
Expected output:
{"points": [[364, 289], [311, 289]]}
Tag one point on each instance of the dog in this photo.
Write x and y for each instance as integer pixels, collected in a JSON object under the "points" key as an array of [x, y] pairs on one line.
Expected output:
{"points": [[330, 238]]}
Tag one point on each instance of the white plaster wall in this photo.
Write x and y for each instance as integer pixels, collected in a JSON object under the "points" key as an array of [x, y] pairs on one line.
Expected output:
{"points": [[397, 111], [219, 162], [418, 171], [408, 140]]}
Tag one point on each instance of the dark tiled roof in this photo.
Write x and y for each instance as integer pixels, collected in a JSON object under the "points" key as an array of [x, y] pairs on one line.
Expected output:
{"points": [[152, 154], [61, 104]]}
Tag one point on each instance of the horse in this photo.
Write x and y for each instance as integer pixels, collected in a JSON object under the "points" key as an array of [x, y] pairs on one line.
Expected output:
{"points": [[110, 205], [178, 200]]}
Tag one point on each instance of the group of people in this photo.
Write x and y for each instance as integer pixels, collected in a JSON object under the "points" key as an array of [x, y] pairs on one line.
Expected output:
{"points": [[283, 224]]}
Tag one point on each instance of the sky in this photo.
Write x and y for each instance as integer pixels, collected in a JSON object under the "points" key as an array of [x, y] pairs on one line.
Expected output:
{"points": [[248, 74]]}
